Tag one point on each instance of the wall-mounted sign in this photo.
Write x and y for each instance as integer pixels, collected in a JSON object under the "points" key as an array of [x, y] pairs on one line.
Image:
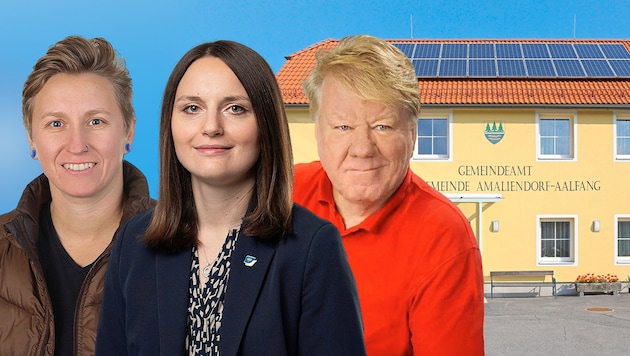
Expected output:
{"points": [[509, 178], [494, 132]]}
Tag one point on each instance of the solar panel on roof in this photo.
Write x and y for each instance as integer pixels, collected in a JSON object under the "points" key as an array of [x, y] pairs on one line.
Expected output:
{"points": [[481, 50], [406, 48], [588, 50], [621, 67], [454, 50], [597, 68], [511, 68], [425, 67], [522, 59], [569, 68], [539, 68], [427, 50], [563, 50], [509, 50], [452, 68], [482, 68], [535, 50], [615, 51]]}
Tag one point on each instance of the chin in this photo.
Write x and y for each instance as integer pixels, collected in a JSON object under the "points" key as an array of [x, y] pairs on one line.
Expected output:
{"points": [[364, 195]]}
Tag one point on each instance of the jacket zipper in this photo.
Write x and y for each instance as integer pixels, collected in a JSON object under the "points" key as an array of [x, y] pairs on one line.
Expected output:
{"points": [[82, 294]]}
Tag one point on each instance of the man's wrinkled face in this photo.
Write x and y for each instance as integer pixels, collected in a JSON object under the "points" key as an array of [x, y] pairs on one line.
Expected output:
{"points": [[364, 146]]}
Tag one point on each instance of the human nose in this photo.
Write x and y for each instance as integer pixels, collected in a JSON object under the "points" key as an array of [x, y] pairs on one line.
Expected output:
{"points": [[78, 141], [362, 142], [212, 125]]}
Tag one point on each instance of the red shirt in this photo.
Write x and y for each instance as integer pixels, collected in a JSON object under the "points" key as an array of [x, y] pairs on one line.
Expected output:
{"points": [[417, 266]]}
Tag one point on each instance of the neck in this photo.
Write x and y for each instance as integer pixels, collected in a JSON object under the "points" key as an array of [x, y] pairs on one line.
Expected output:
{"points": [[353, 214], [85, 228], [219, 210], [222, 208]]}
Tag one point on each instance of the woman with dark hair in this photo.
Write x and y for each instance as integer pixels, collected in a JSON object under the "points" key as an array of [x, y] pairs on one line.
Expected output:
{"points": [[226, 263]]}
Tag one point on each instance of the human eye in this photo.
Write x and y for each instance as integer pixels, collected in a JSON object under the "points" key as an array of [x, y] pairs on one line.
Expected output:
{"points": [[343, 127], [95, 122], [382, 127], [55, 124], [236, 109], [191, 109]]}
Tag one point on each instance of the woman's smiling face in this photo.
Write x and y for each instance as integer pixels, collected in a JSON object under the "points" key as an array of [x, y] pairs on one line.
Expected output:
{"points": [[79, 135], [214, 127]]}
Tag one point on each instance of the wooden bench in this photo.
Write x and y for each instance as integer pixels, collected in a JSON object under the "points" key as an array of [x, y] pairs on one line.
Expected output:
{"points": [[521, 279]]}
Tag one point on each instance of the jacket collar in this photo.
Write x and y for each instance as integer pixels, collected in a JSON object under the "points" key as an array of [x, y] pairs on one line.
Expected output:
{"points": [[250, 262], [24, 223]]}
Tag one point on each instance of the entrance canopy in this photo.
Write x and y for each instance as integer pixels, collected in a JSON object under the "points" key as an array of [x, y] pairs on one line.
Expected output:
{"points": [[474, 198], [479, 199]]}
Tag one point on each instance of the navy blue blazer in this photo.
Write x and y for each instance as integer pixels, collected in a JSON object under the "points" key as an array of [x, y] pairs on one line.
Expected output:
{"points": [[299, 298]]}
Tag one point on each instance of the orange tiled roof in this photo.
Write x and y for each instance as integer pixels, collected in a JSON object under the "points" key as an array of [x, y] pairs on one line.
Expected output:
{"points": [[478, 91]]}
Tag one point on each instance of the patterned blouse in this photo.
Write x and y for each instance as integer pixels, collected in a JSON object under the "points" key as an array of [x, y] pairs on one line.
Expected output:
{"points": [[205, 306]]}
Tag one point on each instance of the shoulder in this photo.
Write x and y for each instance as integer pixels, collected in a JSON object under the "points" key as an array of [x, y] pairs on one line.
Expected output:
{"points": [[306, 170], [305, 220], [131, 232], [313, 233], [426, 198], [310, 183], [6, 217], [34, 196], [5, 235], [140, 220], [419, 210], [137, 189], [311, 239]]}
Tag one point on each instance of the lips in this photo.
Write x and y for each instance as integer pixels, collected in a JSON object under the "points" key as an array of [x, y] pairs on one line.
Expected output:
{"points": [[213, 149], [362, 169], [77, 167]]}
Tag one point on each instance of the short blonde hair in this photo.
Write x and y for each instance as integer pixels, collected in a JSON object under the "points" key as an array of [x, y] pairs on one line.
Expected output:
{"points": [[76, 55], [372, 68]]}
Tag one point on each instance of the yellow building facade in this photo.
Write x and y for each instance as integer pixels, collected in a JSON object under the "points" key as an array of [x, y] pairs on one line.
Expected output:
{"points": [[541, 167]]}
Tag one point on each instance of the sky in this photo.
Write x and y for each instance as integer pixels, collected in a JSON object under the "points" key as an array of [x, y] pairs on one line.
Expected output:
{"points": [[153, 35]]}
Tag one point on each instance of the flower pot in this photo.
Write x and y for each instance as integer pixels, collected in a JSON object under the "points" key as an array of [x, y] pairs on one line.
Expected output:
{"points": [[603, 287]]}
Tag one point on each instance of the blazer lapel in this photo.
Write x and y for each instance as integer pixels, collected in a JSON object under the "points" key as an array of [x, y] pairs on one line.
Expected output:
{"points": [[173, 280], [250, 261]]}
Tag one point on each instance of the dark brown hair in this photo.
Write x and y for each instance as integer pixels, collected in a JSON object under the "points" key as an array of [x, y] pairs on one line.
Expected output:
{"points": [[174, 223]]}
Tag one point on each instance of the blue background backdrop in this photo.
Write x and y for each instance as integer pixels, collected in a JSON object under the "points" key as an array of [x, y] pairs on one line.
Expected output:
{"points": [[153, 35]]}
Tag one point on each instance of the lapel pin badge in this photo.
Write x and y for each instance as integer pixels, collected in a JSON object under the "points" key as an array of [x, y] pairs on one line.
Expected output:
{"points": [[250, 260]]}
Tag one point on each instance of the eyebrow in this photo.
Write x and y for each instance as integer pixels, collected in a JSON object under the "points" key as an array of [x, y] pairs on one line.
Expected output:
{"points": [[50, 113], [60, 114], [224, 100], [97, 111], [236, 98]]}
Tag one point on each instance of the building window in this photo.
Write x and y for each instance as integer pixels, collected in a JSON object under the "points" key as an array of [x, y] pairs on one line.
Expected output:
{"points": [[556, 137], [622, 137], [556, 240], [434, 138], [622, 237]]}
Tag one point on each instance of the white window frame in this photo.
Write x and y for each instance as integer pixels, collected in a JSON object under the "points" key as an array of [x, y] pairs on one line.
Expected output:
{"points": [[619, 116], [620, 260], [448, 157], [572, 260], [573, 122]]}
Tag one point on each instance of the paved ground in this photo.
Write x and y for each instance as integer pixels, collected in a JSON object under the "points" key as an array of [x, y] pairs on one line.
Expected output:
{"points": [[558, 326]]}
